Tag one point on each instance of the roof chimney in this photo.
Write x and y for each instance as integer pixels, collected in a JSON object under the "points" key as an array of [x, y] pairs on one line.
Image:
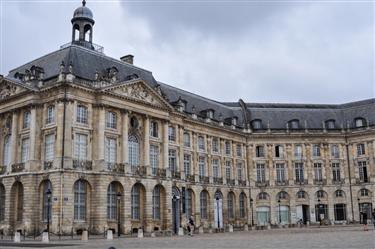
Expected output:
{"points": [[128, 59]]}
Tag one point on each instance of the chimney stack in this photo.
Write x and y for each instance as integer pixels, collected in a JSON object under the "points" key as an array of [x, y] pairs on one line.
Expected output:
{"points": [[128, 59]]}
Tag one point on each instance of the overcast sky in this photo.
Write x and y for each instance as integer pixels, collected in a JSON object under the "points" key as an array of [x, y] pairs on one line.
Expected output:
{"points": [[260, 51]]}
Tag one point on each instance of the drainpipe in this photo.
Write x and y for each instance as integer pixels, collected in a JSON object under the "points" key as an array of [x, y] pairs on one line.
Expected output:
{"points": [[350, 177]]}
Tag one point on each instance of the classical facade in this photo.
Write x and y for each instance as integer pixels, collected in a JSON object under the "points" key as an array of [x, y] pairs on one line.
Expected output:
{"points": [[116, 148]]}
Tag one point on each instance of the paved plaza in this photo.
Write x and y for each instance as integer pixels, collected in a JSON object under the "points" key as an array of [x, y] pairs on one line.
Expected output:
{"points": [[326, 237]]}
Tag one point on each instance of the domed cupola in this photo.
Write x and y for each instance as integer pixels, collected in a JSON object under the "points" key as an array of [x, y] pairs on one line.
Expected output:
{"points": [[82, 31]]}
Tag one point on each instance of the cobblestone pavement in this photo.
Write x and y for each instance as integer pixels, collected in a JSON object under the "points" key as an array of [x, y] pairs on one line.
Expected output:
{"points": [[327, 237]]}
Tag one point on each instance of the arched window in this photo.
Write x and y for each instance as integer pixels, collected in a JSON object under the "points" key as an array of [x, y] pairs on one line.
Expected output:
{"points": [[47, 207], [7, 151], [203, 202], [242, 205], [17, 201], [230, 205], [339, 193], [320, 194], [364, 192], [2, 202], [133, 151], [282, 195], [301, 194], [136, 202], [112, 201], [189, 202], [80, 200], [263, 196], [156, 202]]}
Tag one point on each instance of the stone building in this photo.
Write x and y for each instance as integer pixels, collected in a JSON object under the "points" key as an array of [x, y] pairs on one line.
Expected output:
{"points": [[115, 146]]}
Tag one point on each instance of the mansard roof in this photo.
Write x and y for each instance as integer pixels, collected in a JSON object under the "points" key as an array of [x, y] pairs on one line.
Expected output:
{"points": [[87, 65]]}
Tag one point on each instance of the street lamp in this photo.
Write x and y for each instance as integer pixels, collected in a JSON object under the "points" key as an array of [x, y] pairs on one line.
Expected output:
{"points": [[118, 214], [279, 211], [360, 213], [49, 193], [252, 211]]}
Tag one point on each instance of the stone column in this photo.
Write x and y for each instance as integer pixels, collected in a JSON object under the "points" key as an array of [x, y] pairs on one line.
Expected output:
{"points": [[146, 155], [125, 135], [100, 146], [165, 145], [33, 124], [180, 157], [68, 145]]}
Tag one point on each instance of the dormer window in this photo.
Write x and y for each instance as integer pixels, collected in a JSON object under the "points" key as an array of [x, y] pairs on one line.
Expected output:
{"points": [[294, 124], [256, 124], [330, 124], [210, 114], [359, 122], [234, 121], [181, 105]]}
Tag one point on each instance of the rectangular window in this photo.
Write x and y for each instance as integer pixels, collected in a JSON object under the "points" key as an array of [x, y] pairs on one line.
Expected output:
{"points": [[316, 151], [202, 166], [336, 172], [26, 120], [280, 172], [25, 150], [49, 148], [227, 148], [187, 164], [239, 171], [279, 152], [362, 169], [259, 151], [298, 151], [228, 169], [201, 146], [187, 139], [172, 133], [239, 150], [172, 160], [111, 120], [299, 172], [154, 158], [335, 153], [318, 171], [82, 114], [154, 129], [80, 147], [215, 145], [216, 168], [110, 152], [50, 114], [361, 149], [261, 172]]}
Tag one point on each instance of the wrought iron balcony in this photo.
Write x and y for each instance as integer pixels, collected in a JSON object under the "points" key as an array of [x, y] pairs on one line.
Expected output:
{"points": [[162, 173], [139, 170], [320, 181], [301, 182], [360, 181], [231, 182], [116, 167], [190, 178], [218, 180], [18, 167], [82, 164], [262, 183], [338, 181], [3, 169], [48, 165], [242, 183], [204, 179], [175, 174], [281, 183]]}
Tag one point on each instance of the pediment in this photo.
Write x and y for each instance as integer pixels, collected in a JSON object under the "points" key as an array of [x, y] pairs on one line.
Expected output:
{"points": [[8, 89], [141, 92]]}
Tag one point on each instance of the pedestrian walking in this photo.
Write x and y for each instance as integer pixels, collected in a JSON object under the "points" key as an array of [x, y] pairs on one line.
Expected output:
{"points": [[191, 225], [373, 217], [364, 221]]}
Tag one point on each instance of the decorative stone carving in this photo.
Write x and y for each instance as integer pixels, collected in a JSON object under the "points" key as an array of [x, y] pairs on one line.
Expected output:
{"points": [[7, 90]]}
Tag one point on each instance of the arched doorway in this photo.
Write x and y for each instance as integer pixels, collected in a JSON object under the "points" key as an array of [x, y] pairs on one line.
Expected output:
{"points": [[16, 201], [176, 209], [218, 210]]}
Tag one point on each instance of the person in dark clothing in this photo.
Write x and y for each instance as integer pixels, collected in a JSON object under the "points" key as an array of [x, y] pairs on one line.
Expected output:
{"points": [[191, 225], [373, 217], [364, 221]]}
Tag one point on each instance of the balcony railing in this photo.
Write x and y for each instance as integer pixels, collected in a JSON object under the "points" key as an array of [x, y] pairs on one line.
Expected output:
{"points": [[204, 179], [139, 170], [262, 183], [85, 44], [82, 164], [116, 167], [338, 181], [301, 182], [320, 181], [3, 169], [48, 165], [360, 181], [190, 178], [242, 183], [218, 180], [175, 174], [18, 167], [230, 182], [281, 183], [162, 173]]}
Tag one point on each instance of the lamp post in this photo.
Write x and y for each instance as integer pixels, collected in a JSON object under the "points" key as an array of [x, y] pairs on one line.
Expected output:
{"points": [[252, 211], [118, 214], [49, 193], [279, 211]]}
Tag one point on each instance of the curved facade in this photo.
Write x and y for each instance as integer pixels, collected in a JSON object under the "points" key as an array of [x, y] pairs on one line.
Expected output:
{"points": [[115, 146]]}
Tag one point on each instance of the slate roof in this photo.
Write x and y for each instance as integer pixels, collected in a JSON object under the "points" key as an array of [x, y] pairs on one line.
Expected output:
{"points": [[87, 62]]}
